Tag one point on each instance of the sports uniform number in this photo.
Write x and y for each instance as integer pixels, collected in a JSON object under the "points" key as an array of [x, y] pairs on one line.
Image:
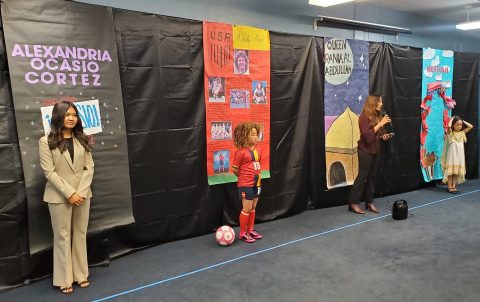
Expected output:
{"points": [[256, 165]]}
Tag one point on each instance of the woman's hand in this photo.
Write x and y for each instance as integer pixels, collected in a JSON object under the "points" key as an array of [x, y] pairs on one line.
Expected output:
{"points": [[385, 120], [385, 137], [75, 199]]}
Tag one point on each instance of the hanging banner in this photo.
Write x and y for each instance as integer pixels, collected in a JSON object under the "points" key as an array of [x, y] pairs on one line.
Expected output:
{"points": [[346, 88], [436, 109], [64, 50], [237, 89]]}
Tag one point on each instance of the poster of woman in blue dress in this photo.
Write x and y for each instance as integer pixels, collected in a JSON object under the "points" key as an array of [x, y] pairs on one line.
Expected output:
{"points": [[436, 107]]}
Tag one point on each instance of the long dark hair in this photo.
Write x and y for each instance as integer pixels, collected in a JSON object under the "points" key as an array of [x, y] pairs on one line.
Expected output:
{"points": [[370, 109], [455, 119], [55, 137]]}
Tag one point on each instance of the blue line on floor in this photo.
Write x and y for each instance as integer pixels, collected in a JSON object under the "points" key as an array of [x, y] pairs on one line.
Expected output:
{"points": [[269, 249]]}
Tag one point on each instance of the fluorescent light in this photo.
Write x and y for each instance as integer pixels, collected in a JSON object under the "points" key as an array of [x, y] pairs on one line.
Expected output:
{"points": [[358, 25], [469, 25], [326, 3]]}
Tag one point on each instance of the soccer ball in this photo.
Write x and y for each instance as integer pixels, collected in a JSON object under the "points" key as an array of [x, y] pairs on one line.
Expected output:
{"points": [[225, 235]]}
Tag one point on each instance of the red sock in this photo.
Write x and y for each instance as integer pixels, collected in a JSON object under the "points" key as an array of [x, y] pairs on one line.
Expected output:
{"points": [[251, 221], [243, 219]]}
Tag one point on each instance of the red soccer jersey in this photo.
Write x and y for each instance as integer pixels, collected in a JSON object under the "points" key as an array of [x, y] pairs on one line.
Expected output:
{"points": [[248, 163]]}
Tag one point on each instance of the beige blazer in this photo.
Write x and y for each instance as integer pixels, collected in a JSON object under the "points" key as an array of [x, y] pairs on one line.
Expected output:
{"points": [[64, 177]]}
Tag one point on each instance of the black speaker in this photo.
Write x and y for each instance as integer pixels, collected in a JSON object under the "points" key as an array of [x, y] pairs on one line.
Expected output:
{"points": [[400, 209]]}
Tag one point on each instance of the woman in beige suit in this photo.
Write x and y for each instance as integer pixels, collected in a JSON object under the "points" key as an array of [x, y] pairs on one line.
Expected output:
{"points": [[66, 159]]}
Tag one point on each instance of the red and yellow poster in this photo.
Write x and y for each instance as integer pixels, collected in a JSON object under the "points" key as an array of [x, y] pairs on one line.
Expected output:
{"points": [[237, 89]]}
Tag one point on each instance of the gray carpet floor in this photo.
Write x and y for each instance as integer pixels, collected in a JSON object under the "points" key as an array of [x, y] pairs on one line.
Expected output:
{"points": [[319, 255]]}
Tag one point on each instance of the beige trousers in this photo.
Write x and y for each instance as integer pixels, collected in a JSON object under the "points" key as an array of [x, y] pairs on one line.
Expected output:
{"points": [[69, 224]]}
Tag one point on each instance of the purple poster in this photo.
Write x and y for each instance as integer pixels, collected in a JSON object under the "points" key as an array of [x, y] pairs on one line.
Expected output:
{"points": [[346, 88]]}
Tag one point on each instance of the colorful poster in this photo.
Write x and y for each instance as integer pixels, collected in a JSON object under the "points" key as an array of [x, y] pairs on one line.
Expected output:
{"points": [[237, 89], [346, 88], [68, 52], [436, 109]]}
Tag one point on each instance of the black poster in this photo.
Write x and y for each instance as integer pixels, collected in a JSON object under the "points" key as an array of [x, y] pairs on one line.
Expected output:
{"points": [[62, 50]]}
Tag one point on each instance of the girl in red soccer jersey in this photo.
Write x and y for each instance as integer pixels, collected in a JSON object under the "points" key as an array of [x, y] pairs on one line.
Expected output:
{"points": [[246, 165]]}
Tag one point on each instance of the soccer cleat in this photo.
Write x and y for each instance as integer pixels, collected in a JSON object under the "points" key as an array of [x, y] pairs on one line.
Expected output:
{"points": [[245, 237], [255, 235]]}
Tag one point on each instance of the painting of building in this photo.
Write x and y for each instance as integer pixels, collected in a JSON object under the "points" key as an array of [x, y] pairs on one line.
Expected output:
{"points": [[341, 150]]}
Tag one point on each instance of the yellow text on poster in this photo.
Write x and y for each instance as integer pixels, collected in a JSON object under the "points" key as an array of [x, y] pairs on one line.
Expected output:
{"points": [[251, 38]]}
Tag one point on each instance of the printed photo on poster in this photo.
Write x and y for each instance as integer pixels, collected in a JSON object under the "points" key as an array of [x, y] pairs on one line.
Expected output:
{"points": [[259, 92], [221, 161], [260, 134], [239, 98], [240, 62], [221, 130], [216, 89]]}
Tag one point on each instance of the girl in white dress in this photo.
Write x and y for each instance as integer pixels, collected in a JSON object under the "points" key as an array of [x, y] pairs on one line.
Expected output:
{"points": [[453, 155]]}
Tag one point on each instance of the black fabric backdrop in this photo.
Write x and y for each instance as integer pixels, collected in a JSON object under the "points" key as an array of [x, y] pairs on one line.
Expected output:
{"points": [[14, 255], [161, 68], [465, 93], [395, 73]]}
